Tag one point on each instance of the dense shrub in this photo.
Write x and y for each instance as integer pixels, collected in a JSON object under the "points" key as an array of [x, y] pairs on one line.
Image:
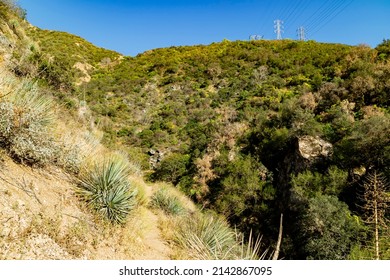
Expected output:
{"points": [[328, 230], [172, 168]]}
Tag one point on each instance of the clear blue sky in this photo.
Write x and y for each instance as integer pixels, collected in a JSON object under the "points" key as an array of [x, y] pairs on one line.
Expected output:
{"points": [[134, 26]]}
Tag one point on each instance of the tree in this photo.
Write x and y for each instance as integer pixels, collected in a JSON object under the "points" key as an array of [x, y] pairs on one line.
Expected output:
{"points": [[326, 229], [383, 49], [376, 205], [172, 168], [241, 191], [367, 144]]}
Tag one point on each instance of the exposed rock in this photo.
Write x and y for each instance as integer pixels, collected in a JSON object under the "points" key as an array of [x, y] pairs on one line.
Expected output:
{"points": [[305, 152], [312, 147], [84, 68], [156, 157], [43, 247]]}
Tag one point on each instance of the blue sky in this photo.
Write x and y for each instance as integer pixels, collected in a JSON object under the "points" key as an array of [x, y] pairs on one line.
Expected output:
{"points": [[134, 26]]}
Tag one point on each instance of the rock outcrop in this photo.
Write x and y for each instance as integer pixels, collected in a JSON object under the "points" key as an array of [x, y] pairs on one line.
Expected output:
{"points": [[311, 148], [305, 152]]}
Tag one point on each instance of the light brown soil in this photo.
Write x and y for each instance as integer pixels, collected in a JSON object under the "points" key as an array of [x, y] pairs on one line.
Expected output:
{"points": [[41, 218]]}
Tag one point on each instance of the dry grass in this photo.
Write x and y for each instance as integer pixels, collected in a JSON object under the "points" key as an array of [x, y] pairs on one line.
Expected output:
{"points": [[76, 146], [168, 227], [186, 202], [26, 121], [142, 189]]}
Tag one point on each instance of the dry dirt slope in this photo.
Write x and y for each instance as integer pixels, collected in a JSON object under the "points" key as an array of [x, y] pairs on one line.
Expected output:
{"points": [[40, 218]]}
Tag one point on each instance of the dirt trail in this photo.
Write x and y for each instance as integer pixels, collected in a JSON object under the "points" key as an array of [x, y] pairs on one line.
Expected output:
{"points": [[157, 249]]}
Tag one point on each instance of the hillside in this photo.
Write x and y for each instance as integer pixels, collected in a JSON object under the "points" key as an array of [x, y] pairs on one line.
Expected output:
{"points": [[249, 130], [255, 129], [64, 195]]}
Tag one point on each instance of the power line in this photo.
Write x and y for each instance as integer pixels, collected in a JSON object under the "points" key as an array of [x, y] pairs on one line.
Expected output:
{"points": [[268, 13], [331, 18], [315, 13], [326, 13], [301, 11], [287, 8], [295, 9]]}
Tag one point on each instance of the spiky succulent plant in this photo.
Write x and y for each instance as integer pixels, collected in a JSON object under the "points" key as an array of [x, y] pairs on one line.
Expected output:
{"points": [[168, 202], [106, 188]]}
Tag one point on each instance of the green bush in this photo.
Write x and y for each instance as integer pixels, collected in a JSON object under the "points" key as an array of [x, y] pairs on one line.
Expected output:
{"points": [[311, 184], [106, 188], [328, 230], [172, 168]]}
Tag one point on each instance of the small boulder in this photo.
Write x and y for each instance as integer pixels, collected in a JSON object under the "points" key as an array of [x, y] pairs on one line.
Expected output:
{"points": [[310, 147]]}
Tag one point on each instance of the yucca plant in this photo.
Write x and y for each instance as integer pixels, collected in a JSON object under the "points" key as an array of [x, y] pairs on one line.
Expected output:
{"points": [[207, 237], [106, 188], [251, 250], [26, 117], [168, 202]]}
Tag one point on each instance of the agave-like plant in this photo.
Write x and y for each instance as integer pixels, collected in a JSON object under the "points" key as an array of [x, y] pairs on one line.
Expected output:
{"points": [[168, 202], [26, 118], [106, 188], [250, 250], [207, 237]]}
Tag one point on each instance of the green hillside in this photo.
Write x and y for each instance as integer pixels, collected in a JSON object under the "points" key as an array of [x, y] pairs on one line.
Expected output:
{"points": [[64, 195], [225, 123], [247, 129]]}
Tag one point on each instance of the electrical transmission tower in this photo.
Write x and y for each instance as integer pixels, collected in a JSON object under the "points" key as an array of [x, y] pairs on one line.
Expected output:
{"points": [[278, 28], [255, 37], [301, 33]]}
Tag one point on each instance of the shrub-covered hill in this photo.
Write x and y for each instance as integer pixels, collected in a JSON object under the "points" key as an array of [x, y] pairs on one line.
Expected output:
{"points": [[66, 59], [255, 129], [63, 195], [251, 130]]}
